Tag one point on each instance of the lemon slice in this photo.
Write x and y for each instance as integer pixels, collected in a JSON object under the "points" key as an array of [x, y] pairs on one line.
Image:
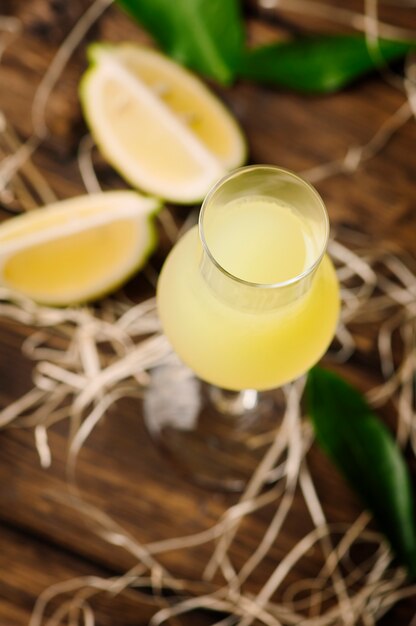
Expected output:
{"points": [[157, 124], [78, 249]]}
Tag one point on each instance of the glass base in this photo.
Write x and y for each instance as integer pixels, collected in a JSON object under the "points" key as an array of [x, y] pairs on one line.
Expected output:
{"points": [[213, 437]]}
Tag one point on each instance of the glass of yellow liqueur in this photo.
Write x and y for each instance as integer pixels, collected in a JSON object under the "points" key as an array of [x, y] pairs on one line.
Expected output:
{"points": [[249, 302]]}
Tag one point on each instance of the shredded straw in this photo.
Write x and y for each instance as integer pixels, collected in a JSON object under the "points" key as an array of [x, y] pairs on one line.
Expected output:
{"points": [[76, 380]]}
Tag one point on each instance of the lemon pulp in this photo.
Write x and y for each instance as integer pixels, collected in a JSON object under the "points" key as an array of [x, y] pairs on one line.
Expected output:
{"points": [[79, 249], [189, 100], [157, 124], [70, 265], [154, 138]]}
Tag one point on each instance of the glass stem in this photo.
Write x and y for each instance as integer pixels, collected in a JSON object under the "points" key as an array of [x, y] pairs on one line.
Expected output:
{"points": [[233, 402]]}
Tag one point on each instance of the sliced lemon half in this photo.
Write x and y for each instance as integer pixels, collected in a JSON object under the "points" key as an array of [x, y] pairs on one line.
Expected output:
{"points": [[79, 249], [157, 124]]}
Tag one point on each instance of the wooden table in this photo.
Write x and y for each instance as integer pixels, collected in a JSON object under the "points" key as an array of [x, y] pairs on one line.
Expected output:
{"points": [[42, 542]]}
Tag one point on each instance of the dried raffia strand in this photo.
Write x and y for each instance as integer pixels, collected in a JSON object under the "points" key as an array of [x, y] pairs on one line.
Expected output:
{"points": [[292, 469], [331, 565], [281, 571], [168, 224], [32, 174], [372, 34], [75, 380], [354, 20], [86, 166], [67, 586], [40, 131], [257, 482], [110, 530], [237, 511], [31, 399], [357, 154], [10, 24], [10, 28], [320, 583], [60, 61], [17, 189]]}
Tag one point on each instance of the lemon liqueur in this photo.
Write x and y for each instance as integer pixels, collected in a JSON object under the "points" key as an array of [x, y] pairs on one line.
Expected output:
{"points": [[255, 303]]}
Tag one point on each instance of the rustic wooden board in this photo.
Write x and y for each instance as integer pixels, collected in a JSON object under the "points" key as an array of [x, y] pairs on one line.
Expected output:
{"points": [[119, 471]]}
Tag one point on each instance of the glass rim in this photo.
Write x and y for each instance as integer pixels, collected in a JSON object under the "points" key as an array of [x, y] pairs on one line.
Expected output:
{"points": [[273, 169]]}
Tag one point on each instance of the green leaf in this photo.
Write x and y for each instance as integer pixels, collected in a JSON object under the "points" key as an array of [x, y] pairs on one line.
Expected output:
{"points": [[367, 455], [317, 64], [206, 35]]}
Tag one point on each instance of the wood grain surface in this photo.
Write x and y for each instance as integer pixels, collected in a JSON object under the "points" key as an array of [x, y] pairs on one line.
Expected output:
{"points": [[43, 541]]}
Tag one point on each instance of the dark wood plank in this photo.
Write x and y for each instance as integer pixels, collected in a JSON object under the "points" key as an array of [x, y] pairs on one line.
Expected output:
{"points": [[121, 472], [30, 566]]}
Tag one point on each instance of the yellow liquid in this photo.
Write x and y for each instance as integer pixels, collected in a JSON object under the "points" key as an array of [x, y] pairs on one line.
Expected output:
{"points": [[257, 240]]}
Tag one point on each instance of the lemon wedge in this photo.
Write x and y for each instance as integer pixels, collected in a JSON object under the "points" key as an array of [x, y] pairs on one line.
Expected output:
{"points": [[79, 249], [157, 124]]}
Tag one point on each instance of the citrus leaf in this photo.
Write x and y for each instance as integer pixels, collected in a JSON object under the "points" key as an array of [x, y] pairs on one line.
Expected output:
{"points": [[319, 64], [206, 35], [366, 454]]}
